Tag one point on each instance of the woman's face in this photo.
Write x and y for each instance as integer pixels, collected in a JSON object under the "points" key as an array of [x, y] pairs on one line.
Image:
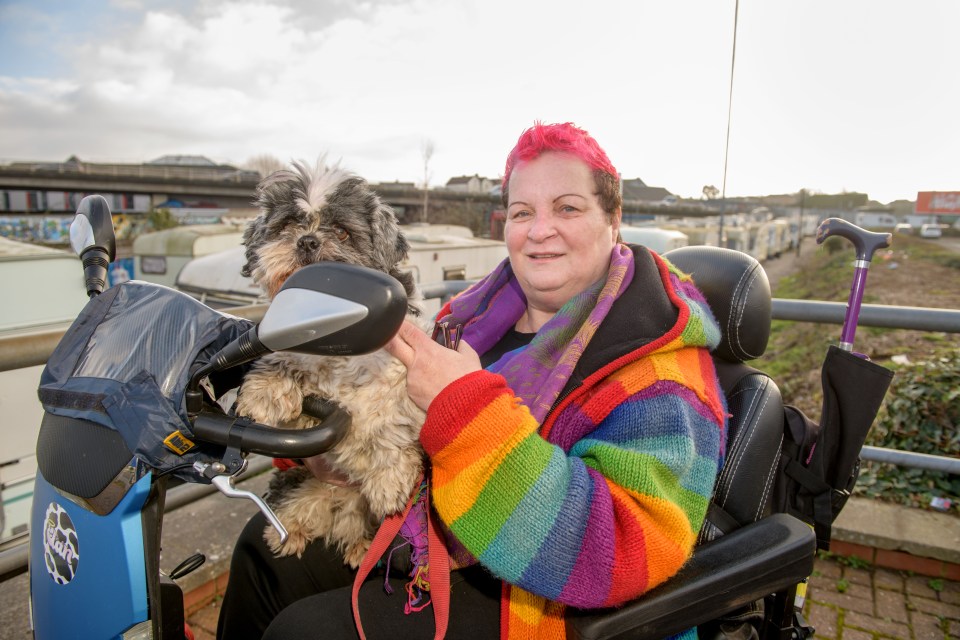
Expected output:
{"points": [[558, 237]]}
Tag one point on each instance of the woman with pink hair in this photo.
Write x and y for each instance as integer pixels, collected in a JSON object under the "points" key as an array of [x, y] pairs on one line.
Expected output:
{"points": [[573, 437]]}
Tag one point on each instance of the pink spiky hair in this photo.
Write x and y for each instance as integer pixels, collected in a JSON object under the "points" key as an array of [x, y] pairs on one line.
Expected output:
{"points": [[566, 138]]}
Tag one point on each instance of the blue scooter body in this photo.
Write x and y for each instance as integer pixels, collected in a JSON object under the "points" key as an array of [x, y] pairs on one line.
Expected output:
{"points": [[79, 557]]}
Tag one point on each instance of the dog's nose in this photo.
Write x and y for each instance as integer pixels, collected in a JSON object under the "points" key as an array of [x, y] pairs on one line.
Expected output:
{"points": [[308, 243]]}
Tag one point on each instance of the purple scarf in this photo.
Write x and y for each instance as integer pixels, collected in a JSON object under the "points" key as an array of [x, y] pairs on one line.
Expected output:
{"points": [[538, 373]]}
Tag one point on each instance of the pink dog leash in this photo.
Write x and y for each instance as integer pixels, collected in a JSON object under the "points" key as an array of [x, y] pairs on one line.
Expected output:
{"points": [[438, 574]]}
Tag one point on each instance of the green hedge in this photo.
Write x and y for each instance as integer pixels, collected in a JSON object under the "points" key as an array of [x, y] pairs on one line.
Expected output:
{"points": [[921, 414]]}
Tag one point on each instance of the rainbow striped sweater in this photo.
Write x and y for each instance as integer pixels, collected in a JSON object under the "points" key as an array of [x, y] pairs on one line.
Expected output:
{"points": [[604, 500]]}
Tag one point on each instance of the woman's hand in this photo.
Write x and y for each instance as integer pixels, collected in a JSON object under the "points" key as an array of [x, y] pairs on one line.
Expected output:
{"points": [[430, 366]]}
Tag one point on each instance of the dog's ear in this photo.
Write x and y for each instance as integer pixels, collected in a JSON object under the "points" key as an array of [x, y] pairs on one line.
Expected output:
{"points": [[271, 192], [252, 239], [406, 279], [395, 246], [396, 250]]}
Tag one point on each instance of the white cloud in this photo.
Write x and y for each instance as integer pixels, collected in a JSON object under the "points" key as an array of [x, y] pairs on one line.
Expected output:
{"points": [[826, 96]]}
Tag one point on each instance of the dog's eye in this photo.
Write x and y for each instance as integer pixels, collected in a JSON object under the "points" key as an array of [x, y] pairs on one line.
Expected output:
{"points": [[341, 233]]}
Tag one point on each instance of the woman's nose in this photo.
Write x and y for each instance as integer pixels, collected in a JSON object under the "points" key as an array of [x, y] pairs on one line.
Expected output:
{"points": [[541, 228]]}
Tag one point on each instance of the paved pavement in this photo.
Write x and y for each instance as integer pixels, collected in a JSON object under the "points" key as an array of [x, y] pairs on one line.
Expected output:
{"points": [[848, 601], [843, 603]]}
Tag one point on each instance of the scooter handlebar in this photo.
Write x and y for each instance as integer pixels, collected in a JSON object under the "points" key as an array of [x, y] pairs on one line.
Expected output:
{"points": [[865, 242], [253, 437]]}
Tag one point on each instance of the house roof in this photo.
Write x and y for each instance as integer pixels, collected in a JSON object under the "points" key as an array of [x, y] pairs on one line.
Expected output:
{"points": [[463, 179], [184, 161]]}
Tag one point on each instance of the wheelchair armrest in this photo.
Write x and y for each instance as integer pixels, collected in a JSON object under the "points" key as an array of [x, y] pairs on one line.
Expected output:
{"points": [[761, 558]]}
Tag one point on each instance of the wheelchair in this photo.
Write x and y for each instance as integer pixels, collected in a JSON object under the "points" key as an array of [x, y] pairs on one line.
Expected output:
{"points": [[765, 555]]}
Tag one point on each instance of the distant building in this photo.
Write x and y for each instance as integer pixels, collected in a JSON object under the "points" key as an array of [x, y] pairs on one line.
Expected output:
{"points": [[637, 189], [396, 184], [781, 200], [472, 184], [185, 161]]}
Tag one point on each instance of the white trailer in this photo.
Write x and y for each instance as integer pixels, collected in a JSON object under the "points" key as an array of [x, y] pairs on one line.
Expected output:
{"points": [[44, 288], [159, 256], [875, 220], [654, 238], [437, 253]]}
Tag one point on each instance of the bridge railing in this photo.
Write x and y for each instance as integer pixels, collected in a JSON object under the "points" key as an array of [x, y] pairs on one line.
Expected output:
{"points": [[140, 171]]}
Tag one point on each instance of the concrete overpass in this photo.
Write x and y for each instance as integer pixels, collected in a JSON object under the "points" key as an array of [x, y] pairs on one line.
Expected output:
{"points": [[233, 188]]}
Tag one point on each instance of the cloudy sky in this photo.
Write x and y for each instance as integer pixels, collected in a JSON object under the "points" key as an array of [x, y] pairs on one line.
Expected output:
{"points": [[828, 95]]}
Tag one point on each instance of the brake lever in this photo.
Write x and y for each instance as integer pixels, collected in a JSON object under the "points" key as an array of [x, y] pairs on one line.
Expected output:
{"points": [[224, 484]]}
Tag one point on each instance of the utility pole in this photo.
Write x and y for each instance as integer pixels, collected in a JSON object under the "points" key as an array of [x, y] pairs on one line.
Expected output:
{"points": [[803, 200], [427, 153]]}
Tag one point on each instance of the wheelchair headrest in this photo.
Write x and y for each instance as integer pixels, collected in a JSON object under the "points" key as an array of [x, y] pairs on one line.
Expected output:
{"points": [[738, 292]]}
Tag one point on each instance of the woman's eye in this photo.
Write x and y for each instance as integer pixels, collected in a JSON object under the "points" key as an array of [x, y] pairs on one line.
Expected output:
{"points": [[341, 233], [522, 213]]}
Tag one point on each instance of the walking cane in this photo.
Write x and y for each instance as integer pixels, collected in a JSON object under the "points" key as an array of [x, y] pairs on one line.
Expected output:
{"points": [[866, 244]]}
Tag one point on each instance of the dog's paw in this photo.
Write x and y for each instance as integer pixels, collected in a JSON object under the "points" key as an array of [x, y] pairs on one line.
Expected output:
{"points": [[269, 399], [294, 545], [353, 554]]}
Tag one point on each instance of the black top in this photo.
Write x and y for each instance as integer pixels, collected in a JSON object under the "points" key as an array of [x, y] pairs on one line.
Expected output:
{"points": [[512, 340]]}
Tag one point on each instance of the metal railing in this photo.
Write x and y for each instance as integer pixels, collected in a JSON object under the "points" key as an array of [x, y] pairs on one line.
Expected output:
{"points": [[187, 173], [32, 348]]}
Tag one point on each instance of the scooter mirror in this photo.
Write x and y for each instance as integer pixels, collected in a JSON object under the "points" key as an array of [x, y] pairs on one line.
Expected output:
{"points": [[93, 239], [326, 308], [332, 308]]}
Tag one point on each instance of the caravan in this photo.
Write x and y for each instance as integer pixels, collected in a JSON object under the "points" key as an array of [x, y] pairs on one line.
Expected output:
{"points": [[438, 252], [47, 288], [158, 257], [654, 238]]}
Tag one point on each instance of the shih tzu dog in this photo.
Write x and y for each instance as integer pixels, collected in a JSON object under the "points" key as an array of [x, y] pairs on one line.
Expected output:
{"points": [[309, 214]]}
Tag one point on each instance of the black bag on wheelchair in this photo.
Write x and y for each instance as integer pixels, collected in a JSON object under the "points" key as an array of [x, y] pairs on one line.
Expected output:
{"points": [[820, 463], [811, 472], [124, 364]]}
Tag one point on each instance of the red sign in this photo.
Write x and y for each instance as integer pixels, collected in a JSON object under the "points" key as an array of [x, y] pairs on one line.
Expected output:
{"points": [[939, 202]]}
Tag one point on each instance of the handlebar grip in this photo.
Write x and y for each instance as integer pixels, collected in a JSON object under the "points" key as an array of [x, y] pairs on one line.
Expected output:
{"points": [[865, 242], [252, 437]]}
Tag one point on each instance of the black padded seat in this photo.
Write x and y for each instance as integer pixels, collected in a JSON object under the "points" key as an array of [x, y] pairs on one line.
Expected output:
{"points": [[745, 552]]}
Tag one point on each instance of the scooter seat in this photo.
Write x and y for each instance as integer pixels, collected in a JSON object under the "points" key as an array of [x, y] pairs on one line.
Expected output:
{"points": [[78, 456]]}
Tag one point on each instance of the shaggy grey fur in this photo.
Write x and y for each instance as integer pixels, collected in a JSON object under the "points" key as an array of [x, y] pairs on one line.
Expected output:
{"points": [[284, 199]]}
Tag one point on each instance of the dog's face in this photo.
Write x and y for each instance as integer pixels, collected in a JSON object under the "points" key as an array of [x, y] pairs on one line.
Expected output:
{"points": [[320, 213]]}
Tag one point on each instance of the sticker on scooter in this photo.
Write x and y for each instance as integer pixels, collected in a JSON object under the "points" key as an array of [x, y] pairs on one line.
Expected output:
{"points": [[61, 547], [178, 443]]}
